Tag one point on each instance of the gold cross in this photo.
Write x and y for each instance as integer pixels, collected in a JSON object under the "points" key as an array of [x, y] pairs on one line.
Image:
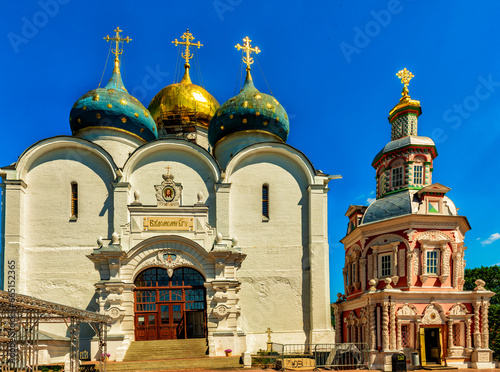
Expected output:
{"points": [[269, 334], [405, 77], [117, 51], [248, 49], [187, 37], [168, 167]]}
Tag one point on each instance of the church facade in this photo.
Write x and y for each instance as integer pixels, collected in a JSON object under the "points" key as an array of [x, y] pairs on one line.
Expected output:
{"points": [[188, 219], [404, 261]]}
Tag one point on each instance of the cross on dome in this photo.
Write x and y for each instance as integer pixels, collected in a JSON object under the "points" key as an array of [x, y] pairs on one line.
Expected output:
{"points": [[117, 51], [247, 49], [187, 37], [405, 77]]}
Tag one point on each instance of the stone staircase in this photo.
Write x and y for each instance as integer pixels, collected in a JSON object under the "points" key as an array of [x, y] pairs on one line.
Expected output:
{"points": [[171, 354]]}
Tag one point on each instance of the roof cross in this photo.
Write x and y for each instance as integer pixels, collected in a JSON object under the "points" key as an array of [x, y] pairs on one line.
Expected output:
{"points": [[247, 49], [187, 37], [269, 334], [405, 77], [117, 51]]}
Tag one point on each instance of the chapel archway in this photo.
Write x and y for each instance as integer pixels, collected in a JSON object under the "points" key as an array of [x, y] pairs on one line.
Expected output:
{"points": [[169, 306]]}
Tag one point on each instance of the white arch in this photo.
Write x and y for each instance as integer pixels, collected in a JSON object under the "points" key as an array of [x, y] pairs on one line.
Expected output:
{"points": [[62, 142], [273, 147], [170, 145], [143, 255]]}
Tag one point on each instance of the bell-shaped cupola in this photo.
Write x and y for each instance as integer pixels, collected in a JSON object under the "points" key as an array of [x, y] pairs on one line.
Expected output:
{"points": [[247, 118]]}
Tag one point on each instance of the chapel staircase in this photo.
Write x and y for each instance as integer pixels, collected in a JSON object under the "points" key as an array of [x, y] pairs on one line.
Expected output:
{"points": [[171, 354]]}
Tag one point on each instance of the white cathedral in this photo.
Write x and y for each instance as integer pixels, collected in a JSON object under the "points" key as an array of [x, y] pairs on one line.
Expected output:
{"points": [[188, 219]]}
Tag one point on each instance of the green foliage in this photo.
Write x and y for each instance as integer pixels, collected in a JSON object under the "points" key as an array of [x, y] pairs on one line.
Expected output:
{"points": [[491, 275]]}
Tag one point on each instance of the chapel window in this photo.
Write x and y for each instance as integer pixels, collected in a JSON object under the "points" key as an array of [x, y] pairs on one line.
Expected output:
{"points": [[418, 175], [432, 262], [74, 201], [386, 265], [265, 201], [397, 177]]}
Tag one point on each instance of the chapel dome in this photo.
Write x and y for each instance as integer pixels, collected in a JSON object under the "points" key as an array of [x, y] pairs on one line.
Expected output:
{"points": [[250, 110], [112, 107], [399, 204], [183, 102]]}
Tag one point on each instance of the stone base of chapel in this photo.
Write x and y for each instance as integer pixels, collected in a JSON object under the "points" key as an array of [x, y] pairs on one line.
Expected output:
{"points": [[220, 341], [482, 359]]}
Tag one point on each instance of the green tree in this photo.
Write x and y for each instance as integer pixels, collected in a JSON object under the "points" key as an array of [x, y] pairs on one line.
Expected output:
{"points": [[491, 275]]}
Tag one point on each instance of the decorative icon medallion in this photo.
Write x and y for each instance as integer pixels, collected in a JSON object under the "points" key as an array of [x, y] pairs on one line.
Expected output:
{"points": [[168, 193]]}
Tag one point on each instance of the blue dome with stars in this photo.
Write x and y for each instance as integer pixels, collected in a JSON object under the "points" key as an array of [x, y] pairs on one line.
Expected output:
{"points": [[112, 107], [250, 110]]}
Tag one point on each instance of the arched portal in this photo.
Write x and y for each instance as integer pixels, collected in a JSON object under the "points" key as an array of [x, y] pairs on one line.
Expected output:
{"points": [[170, 307]]}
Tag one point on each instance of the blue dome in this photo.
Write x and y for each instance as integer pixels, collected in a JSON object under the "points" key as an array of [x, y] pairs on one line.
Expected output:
{"points": [[391, 206], [112, 107], [250, 110]]}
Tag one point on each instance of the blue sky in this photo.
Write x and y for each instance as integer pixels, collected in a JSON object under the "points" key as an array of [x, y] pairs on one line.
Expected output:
{"points": [[332, 65]]}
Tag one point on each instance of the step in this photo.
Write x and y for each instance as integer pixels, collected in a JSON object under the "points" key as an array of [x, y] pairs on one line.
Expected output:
{"points": [[166, 349], [185, 363]]}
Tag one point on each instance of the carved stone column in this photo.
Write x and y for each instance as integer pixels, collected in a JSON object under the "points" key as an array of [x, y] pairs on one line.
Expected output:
{"points": [[417, 334], [399, 343], [424, 259], [455, 258], [346, 285], [362, 271], [450, 335], [338, 324], [373, 342], [468, 324], [375, 265], [477, 334], [385, 327], [484, 324], [393, 325], [395, 257], [409, 268]]}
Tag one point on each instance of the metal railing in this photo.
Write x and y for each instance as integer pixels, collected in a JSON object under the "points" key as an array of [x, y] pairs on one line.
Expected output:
{"points": [[330, 356]]}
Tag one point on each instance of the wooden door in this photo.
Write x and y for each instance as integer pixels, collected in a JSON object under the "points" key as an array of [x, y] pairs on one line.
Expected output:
{"points": [[178, 321]]}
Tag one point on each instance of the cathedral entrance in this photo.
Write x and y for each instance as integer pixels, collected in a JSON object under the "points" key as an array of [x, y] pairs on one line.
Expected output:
{"points": [[430, 341], [169, 307]]}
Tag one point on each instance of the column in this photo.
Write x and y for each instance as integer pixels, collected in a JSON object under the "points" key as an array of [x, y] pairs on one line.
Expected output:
{"points": [[468, 324], [484, 325], [362, 272], [399, 340], [477, 334], [338, 324], [409, 268], [417, 334], [385, 327], [395, 259], [372, 342], [450, 333], [375, 265], [393, 325]]}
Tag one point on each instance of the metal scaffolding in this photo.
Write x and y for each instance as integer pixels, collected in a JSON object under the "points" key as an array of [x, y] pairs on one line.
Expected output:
{"points": [[20, 317]]}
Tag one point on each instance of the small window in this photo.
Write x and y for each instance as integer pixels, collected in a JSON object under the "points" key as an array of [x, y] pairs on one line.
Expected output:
{"points": [[74, 201], [397, 177], [418, 178], [265, 201], [432, 262], [386, 265], [405, 336]]}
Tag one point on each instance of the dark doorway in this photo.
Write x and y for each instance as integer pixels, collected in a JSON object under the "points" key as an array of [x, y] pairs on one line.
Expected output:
{"points": [[432, 345], [170, 307]]}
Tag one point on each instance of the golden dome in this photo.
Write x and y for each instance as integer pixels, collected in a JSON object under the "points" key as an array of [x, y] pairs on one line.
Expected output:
{"points": [[183, 103]]}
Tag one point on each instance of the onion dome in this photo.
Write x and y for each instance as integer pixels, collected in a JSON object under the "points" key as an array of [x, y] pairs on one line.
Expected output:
{"points": [[250, 110], [112, 107], [183, 103], [182, 106]]}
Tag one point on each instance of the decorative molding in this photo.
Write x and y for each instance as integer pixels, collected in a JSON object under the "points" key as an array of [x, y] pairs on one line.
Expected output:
{"points": [[433, 314], [169, 259], [407, 309], [434, 236], [458, 309], [168, 193], [401, 262]]}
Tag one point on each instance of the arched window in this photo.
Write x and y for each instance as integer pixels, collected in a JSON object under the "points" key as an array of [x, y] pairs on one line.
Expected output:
{"points": [[265, 201], [74, 201], [397, 173]]}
